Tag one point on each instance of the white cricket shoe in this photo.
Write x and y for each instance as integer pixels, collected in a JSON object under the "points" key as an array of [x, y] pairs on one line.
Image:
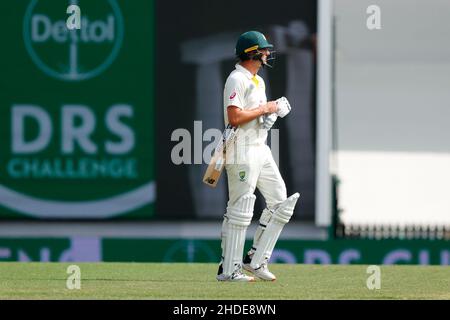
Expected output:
{"points": [[236, 276], [262, 272]]}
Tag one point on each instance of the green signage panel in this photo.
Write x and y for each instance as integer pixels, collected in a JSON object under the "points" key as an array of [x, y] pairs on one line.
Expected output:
{"points": [[96, 249], [287, 251], [77, 110]]}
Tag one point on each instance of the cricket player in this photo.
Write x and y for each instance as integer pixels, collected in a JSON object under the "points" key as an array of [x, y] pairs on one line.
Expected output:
{"points": [[249, 164]]}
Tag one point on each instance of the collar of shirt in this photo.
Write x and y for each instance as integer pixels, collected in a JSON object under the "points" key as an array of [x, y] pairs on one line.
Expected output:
{"points": [[245, 71], [248, 74]]}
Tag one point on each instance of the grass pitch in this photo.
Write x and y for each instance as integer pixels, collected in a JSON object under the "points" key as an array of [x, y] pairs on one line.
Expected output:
{"points": [[197, 281]]}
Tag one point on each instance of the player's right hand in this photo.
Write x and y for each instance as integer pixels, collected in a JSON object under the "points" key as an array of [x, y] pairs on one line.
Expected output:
{"points": [[271, 107]]}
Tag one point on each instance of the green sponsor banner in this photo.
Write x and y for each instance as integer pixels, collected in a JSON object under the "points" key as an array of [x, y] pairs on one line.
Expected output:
{"points": [[415, 252], [161, 250], [287, 251], [77, 110], [33, 249]]}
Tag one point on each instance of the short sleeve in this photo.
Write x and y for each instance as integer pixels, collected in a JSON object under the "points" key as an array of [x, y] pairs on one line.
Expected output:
{"points": [[233, 94]]}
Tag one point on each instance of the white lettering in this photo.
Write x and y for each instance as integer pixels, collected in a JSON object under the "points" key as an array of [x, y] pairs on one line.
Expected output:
{"points": [[74, 20], [37, 21], [349, 255], [374, 20], [181, 153], [18, 143], [211, 134], [396, 256], [80, 134], [97, 31], [74, 280], [59, 32], [120, 129], [374, 281]]}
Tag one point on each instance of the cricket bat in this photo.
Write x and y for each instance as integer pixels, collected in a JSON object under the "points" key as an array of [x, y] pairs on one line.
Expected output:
{"points": [[217, 163]]}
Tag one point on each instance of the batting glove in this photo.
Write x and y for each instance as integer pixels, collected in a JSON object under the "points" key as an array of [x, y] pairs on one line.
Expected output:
{"points": [[269, 120], [283, 107]]}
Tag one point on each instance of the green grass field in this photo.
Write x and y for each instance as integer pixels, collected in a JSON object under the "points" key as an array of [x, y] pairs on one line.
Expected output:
{"points": [[197, 281]]}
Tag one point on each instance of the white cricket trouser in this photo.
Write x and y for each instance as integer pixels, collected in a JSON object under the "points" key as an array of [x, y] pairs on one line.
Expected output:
{"points": [[256, 168]]}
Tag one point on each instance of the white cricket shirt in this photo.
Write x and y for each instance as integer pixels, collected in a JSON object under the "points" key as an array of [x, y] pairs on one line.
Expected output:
{"points": [[247, 92]]}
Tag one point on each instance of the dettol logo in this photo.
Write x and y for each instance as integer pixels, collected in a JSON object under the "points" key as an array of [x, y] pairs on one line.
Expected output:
{"points": [[73, 55]]}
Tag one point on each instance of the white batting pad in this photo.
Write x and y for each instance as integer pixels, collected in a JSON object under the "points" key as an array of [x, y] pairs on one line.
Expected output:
{"points": [[268, 239], [266, 215], [238, 218], [223, 235], [234, 247], [241, 212]]}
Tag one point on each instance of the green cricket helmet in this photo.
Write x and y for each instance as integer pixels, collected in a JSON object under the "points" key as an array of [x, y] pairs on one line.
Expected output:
{"points": [[249, 42]]}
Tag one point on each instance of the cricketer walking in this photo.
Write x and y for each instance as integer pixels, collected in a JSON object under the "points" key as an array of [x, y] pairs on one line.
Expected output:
{"points": [[250, 165]]}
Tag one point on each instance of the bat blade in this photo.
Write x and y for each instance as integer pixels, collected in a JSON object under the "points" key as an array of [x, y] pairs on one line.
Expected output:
{"points": [[214, 170]]}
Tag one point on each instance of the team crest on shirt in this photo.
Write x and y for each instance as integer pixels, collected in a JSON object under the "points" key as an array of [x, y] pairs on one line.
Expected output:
{"points": [[242, 175], [233, 95]]}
